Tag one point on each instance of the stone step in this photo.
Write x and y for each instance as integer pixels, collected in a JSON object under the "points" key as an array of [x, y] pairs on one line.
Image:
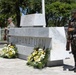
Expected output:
{"points": [[3, 42]]}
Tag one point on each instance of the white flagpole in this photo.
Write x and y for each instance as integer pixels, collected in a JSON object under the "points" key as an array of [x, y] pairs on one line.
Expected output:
{"points": [[43, 8]]}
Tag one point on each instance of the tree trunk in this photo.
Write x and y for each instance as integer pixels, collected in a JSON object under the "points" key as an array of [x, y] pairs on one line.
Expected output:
{"points": [[17, 15]]}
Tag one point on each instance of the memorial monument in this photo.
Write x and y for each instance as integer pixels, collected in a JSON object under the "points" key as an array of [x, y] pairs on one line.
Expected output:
{"points": [[34, 33]]}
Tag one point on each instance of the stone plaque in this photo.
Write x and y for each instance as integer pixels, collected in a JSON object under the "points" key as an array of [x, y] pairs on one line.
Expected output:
{"points": [[33, 20]]}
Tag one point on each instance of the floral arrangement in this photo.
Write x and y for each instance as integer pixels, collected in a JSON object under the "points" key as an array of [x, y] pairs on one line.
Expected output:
{"points": [[9, 51], [38, 58]]}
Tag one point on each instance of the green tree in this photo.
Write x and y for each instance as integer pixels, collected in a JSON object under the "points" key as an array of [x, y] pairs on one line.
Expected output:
{"points": [[57, 13], [11, 8]]}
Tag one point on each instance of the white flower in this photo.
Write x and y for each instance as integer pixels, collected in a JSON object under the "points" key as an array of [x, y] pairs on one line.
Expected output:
{"points": [[5, 44], [5, 48], [40, 49], [42, 56], [37, 60], [2, 53], [9, 45], [13, 51], [7, 54]]}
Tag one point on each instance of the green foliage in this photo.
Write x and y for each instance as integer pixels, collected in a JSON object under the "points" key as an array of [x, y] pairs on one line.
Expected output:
{"points": [[67, 1], [7, 8], [57, 13], [10, 8]]}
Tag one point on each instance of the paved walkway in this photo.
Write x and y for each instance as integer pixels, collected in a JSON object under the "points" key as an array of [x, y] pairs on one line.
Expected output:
{"points": [[19, 67]]}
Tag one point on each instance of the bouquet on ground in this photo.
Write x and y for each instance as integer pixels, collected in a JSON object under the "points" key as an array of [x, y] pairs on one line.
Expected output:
{"points": [[38, 58], [9, 51]]}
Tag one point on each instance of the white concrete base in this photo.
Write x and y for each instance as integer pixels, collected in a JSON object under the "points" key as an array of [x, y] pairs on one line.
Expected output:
{"points": [[28, 38], [55, 63]]}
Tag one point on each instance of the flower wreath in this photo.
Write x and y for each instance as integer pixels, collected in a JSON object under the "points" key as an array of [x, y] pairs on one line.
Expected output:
{"points": [[8, 51], [38, 58]]}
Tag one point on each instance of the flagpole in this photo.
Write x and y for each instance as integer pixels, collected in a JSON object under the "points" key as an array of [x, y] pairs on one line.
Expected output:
{"points": [[43, 8]]}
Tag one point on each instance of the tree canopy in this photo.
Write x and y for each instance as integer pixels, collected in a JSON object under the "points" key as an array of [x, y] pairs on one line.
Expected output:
{"points": [[57, 11]]}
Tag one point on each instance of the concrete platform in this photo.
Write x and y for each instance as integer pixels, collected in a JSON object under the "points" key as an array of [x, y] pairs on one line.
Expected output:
{"points": [[19, 67]]}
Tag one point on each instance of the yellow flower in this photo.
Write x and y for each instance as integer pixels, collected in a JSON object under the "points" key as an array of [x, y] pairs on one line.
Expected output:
{"points": [[42, 52], [36, 58], [11, 46], [29, 57], [10, 53], [34, 53]]}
